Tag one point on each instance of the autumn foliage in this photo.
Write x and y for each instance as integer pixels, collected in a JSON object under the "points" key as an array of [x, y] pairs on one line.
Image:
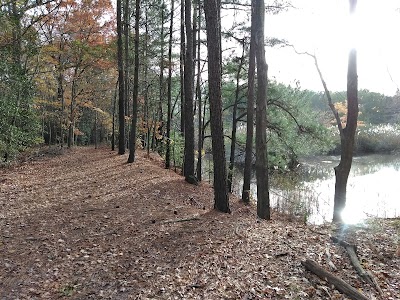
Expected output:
{"points": [[78, 57]]}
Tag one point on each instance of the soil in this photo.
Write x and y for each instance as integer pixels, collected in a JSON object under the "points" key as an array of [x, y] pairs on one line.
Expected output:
{"points": [[86, 225]]}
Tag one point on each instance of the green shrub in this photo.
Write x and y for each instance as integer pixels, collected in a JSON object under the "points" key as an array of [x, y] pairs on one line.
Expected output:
{"points": [[383, 138]]}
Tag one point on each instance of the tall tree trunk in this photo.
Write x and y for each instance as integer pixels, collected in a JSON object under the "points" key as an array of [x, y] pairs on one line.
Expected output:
{"points": [[71, 125], [213, 26], [194, 40], [60, 96], [121, 82], [169, 116], [145, 64], [132, 147], [234, 123], [250, 111], [182, 67], [71, 128], [347, 142], [189, 126], [263, 209], [161, 91], [95, 129], [126, 32], [113, 117], [198, 92], [158, 121]]}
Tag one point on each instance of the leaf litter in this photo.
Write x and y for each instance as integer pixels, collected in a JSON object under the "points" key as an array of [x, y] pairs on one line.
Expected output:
{"points": [[87, 225]]}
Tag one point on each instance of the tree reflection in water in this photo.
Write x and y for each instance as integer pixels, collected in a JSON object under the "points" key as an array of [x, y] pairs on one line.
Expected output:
{"points": [[372, 191]]}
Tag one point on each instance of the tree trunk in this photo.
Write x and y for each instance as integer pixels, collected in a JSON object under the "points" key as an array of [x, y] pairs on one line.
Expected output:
{"points": [[95, 130], [132, 147], [114, 101], [234, 123], [198, 90], [347, 142], [182, 68], [213, 26], [161, 91], [60, 93], [263, 209], [250, 112], [189, 126], [146, 90], [121, 82], [169, 116], [126, 33], [71, 128]]}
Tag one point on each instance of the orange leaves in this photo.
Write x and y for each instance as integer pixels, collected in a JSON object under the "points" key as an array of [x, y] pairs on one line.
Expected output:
{"points": [[78, 132], [341, 108], [151, 126], [88, 104]]}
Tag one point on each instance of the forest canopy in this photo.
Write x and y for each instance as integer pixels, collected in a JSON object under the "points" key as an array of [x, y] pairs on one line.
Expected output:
{"points": [[59, 74]]}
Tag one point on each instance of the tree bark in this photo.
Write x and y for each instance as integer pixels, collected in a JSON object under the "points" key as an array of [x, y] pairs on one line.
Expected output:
{"points": [[234, 122], [114, 100], [132, 147], [198, 90], [121, 82], [351, 251], [189, 125], [71, 128], [263, 208], [169, 116], [250, 111], [347, 141], [339, 284], [161, 91], [126, 48], [213, 26], [182, 67], [60, 95]]}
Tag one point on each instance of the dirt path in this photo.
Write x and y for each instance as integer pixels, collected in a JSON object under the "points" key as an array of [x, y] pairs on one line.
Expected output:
{"points": [[86, 225]]}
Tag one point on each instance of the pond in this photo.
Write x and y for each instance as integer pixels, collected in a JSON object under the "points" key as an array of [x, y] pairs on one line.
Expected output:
{"points": [[373, 189]]}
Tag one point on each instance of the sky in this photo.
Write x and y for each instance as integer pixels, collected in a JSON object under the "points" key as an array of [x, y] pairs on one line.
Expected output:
{"points": [[321, 27]]}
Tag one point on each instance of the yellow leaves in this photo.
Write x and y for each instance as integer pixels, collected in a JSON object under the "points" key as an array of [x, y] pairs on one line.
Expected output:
{"points": [[341, 108], [45, 102], [99, 110], [51, 49], [46, 84], [203, 152]]}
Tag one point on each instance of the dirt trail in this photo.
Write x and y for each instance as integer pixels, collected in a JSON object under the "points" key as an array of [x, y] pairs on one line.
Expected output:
{"points": [[86, 225]]}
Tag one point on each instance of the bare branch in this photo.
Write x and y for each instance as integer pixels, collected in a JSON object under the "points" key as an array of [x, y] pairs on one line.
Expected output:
{"points": [[327, 93]]}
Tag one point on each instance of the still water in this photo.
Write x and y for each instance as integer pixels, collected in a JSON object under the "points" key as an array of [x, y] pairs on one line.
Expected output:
{"points": [[373, 189]]}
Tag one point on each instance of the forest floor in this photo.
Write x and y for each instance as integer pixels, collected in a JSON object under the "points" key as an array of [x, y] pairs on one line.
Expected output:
{"points": [[87, 225]]}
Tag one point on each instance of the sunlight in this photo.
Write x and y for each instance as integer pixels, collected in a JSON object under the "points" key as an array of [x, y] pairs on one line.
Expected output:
{"points": [[352, 215], [323, 28]]}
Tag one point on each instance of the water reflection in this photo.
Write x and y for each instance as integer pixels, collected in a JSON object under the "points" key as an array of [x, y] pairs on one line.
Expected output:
{"points": [[373, 188]]}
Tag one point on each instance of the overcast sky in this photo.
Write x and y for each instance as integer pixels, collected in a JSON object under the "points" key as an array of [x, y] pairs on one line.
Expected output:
{"points": [[321, 27]]}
